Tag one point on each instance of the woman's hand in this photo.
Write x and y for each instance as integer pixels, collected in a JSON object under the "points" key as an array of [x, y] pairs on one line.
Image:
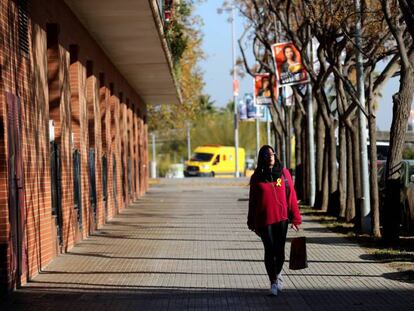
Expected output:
{"points": [[295, 227]]}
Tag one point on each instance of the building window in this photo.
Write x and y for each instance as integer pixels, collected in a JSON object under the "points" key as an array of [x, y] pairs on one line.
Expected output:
{"points": [[23, 24]]}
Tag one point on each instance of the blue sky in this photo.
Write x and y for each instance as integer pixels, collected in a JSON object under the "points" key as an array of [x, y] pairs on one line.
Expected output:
{"points": [[218, 62]]}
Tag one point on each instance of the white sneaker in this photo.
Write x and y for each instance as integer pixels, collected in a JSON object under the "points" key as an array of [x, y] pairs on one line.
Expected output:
{"points": [[279, 283], [273, 289]]}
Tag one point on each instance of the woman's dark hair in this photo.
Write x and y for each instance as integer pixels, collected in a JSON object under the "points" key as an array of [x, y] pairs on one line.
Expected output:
{"points": [[262, 172], [261, 158], [293, 51]]}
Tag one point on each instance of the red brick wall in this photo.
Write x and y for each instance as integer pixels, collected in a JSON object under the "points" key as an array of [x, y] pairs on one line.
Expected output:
{"points": [[105, 137], [24, 76], [5, 53], [123, 128], [80, 134], [136, 152], [95, 141], [4, 212], [40, 238], [54, 85]]}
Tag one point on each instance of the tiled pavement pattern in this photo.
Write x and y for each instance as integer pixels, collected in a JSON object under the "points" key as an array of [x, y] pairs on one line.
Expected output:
{"points": [[185, 246]]}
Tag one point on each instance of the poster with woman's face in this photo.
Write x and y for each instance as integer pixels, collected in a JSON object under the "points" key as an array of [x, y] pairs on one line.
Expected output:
{"points": [[262, 89], [289, 66]]}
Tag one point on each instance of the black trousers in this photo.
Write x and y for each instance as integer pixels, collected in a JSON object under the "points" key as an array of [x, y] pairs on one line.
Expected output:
{"points": [[274, 238]]}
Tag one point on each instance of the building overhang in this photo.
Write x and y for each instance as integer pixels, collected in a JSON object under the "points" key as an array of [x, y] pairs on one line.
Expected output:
{"points": [[131, 34]]}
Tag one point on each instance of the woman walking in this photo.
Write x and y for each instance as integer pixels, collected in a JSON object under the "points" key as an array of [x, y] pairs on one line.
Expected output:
{"points": [[272, 202]]}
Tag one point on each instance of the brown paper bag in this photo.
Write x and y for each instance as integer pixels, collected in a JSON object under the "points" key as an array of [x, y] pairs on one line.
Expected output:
{"points": [[298, 258]]}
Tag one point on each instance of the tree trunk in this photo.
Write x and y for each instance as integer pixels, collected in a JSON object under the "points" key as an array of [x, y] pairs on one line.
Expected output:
{"points": [[373, 178], [356, 173], [342, 172], [279, 146], [299, 167], [401, 110], [333, 203], [342, 183], [278, 142], [325, 175], [306, 163], [350, 198], [320, 137]]}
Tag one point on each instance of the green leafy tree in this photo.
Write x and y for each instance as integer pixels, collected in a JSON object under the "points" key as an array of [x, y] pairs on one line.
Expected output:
{"points": [[184, 39]]}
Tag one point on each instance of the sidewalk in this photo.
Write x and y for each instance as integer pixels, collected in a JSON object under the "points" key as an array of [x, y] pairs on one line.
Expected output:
{"points": [[185, 246]]}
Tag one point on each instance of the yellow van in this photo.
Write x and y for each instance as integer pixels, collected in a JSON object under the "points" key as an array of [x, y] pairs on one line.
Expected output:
{"points": [[214, 160]]}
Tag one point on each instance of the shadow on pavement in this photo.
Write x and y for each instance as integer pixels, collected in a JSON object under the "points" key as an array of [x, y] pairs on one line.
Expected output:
{"points": [[69, 297]]}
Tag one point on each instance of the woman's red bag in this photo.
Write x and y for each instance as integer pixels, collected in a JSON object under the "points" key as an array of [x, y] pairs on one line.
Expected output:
{"points": [[298, 257]]}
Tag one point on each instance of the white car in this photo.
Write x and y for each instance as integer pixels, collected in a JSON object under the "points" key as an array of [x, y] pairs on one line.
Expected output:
{"points": [[175, 170]]}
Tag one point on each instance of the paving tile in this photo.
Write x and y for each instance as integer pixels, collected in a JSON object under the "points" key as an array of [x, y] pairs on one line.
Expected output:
{"points": [[185, 246]]}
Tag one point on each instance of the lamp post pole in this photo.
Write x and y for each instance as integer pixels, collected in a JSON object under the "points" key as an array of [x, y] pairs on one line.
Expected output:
{"points": [[310, 138], [188, 141], [235, 90], [154, 161], [365, 200], [231, 9]]}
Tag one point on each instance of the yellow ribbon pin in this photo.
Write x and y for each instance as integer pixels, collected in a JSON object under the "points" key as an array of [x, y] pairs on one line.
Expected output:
{"points": [[279, 182]]}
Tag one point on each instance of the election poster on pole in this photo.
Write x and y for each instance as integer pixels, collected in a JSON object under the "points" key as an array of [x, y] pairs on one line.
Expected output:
{"points": [[289, 67], [262, 85]]}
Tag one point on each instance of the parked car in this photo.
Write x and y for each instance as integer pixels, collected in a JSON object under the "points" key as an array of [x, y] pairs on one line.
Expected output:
{"points": [[175, 171], [249, 167], [406, 203]]}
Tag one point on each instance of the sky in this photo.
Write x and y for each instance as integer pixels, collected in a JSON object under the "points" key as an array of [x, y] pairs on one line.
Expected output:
{"points": [[217, 66]]}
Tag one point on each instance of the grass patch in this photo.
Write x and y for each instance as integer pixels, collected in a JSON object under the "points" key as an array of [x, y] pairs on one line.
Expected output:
{"points": [[392, 255]]}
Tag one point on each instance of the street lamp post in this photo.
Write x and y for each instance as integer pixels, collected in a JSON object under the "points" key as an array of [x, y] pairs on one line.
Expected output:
{"points": [[365, 200], [310, 138], [154, 161], [188, 141], [232, 9]]}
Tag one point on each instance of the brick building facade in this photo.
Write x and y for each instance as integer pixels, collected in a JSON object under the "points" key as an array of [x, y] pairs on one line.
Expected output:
{"points": [[73, 129]]}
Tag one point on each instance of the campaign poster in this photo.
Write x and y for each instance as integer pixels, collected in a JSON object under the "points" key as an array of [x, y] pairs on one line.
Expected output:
{"points": [[242, 110], [265, 115], [261, 112], [289, 97], [262, 89], [250, 106], [290, 70]]}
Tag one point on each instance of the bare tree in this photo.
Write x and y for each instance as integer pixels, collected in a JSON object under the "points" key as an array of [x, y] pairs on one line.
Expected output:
{"points": [[400, 20], [331, 23]]}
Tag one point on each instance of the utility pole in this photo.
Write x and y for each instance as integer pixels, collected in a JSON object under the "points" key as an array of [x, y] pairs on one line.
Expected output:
{"points": [[154, 161], [257, 135], [188, 141], [231, 9], [288, 112], [284, 118], [268, 126], [311, 141], [236, 120], [365, 200], [288, 102]]}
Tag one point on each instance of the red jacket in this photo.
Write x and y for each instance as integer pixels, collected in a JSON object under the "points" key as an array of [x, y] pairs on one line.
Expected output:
{"points": [[267, 202]]}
